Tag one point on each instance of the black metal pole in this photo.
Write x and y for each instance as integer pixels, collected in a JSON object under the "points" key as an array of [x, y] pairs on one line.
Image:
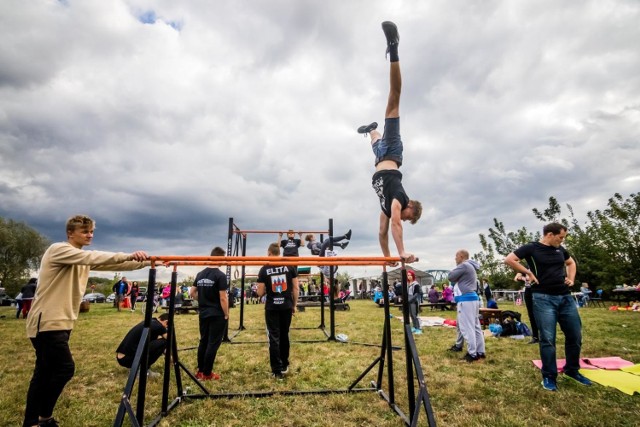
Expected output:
{"points": [[242, 282], [383, 351], [170, 341], [229, 250], [407, 342], [144, 361], [387, 314], [321, 293], [332, 285]]}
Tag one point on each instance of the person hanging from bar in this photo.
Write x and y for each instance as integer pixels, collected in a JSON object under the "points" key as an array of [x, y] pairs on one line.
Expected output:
{"points": [[322, 250], [319, 248], [387, 180]]}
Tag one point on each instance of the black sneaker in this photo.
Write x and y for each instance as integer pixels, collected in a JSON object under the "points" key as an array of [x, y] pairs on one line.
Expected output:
{"points": [[348, 234], [344, 244], [469, 358], [455, 348], [534, 341], [51, 422], [277, 376], [285, 371], [365, 129], [391, 33], [482, 356]]}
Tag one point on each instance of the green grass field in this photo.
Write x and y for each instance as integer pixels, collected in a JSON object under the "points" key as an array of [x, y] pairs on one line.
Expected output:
{"points": [[503, 390]]}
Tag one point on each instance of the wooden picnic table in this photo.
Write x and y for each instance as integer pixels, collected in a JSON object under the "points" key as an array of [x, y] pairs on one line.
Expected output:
{"points": [[626, 295]]}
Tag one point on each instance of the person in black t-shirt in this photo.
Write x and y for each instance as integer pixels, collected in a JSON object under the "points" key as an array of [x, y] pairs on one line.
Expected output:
{"points": [[387, 181], [126, 351], [210, 289], [290, 245], [551, 273], [280, 284]]}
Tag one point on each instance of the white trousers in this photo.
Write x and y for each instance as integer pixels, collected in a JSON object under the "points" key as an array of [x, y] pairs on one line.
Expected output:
{"points": [[469, 325]]}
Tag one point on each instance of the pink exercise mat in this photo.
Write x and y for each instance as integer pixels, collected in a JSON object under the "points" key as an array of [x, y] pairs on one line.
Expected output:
{"points": [[610, 363], [561, 362]]}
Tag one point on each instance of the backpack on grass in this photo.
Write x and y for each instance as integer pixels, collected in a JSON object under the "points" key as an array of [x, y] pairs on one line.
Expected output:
{"points": [[510, 321]]}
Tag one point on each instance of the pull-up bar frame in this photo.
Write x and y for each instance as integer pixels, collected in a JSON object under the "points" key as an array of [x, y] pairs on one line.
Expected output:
{"points": [[140, 363], [241, 243]]}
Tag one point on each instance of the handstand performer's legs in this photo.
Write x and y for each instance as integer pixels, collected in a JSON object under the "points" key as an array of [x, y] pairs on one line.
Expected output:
{"points": [[393, 102], [395, 87], [374, 135], [395, 80], [389, 145]]}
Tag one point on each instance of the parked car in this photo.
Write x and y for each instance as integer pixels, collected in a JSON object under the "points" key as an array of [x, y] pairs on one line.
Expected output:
{"points": [[111, 298], [142, 294], [5, 299], [95, 297]]}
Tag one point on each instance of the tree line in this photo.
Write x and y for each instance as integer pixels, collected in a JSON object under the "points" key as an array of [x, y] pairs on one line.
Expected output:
{"points": [[606, 246]]}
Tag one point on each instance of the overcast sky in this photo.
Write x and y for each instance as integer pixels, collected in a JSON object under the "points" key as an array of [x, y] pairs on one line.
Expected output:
{"points": [[162, 119]]}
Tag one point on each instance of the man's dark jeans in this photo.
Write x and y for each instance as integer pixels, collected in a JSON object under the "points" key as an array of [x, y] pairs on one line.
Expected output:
{"points": [[550, 310]]}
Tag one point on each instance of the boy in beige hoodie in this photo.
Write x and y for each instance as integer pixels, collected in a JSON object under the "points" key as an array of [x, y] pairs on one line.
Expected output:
{"points": [[64, 272]]}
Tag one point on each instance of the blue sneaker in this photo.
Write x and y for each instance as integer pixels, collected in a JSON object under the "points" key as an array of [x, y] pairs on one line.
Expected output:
{"points": [[416, 331], [549, 384], [579, 378]]}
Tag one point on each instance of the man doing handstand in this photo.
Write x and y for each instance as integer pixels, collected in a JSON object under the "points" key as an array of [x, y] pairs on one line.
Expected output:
{"points": [[387, 180]]}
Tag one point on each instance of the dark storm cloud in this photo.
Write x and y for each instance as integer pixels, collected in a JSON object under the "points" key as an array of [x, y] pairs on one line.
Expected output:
{"points": [[163, 129]]}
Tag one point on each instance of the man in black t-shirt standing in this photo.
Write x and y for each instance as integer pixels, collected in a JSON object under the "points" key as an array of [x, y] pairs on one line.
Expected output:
{"points": [[126, 351], [210, 289], [551, 273], [387, 181], [280, 284]]}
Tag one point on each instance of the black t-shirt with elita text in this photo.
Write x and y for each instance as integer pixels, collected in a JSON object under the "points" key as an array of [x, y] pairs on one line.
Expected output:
{"points": [[278, 283], [210, 282], [290, 247], [547, 263], [130, 342], [388, 186]]}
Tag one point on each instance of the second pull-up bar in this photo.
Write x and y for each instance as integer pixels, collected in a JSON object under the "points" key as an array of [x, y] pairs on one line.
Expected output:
{"points": [[238, 231]]}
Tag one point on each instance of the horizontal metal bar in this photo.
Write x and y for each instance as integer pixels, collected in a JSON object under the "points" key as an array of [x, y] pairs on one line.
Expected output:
{"points": [[238, 231], [275, 392], [222, 259]]}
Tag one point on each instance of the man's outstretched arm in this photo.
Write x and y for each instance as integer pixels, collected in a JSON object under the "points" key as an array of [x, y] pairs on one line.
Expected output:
{"points": [[383, 235], [396, 231]]}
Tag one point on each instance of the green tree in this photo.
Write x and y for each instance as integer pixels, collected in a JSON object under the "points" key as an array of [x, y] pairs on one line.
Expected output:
{"points": [[606, 247], [491, 258], [614, 234], [343, 277], [21, 249]]}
